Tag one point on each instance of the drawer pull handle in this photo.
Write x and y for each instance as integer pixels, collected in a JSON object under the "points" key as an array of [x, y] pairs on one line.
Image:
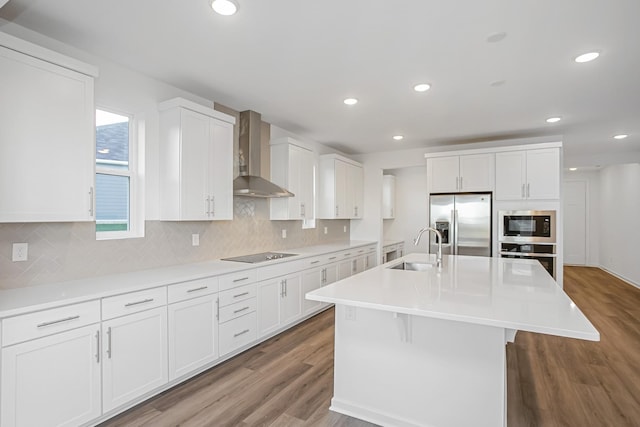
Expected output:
{"points": [[314, 262], [333, 257], [240, 333], [109, 342], [240, 280], [54, 322], [201, 288], [349, 254], [240, 310], [97, 346], [144, 301], [241, 295]]}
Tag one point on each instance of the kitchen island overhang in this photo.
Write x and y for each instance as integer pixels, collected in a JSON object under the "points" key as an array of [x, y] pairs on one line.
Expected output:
{"points": [[428, 347]]}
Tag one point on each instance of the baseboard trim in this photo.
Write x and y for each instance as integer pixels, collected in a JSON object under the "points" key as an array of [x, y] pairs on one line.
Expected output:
{"points": [[619, 276]]}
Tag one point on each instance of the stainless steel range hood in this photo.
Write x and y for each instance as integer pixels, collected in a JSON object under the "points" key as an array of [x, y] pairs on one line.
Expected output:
{"points": [[249, 183]]}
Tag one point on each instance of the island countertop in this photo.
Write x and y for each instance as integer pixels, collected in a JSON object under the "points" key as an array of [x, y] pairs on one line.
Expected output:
{"points": [[508, 293]]}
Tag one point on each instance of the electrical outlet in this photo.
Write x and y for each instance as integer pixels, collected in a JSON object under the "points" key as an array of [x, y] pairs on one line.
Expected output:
{"points": [[195, 240], [284, 233], [20, 252], [350, 313], [345, 229], [326, 230]]}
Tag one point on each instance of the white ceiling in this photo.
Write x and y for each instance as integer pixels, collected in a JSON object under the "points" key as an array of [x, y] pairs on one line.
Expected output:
{"points": [[294, 61]]}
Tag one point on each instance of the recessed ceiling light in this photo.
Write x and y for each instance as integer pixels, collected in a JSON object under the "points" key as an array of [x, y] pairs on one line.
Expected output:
{"points": [[621, 136], [496, 37], [350, 101], [422, 87], [398, 137], [553, 119], [586, 57], [224, 7], [573, 169]]}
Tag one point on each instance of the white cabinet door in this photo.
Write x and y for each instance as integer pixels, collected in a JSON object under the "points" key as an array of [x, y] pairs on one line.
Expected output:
{"points": [[221, 170], [47, 141], [443, 174], [345, 269], [330, 274], [355, 191], [311, 280], [543, 174], [291, 302], [292, 167], [306, 183], [477, 172], [388, 196], [511, 175], [370, 260], [194, 195], [359, 264], [268, 306], [134, 356], [343, 206], [53, 380], [193, 337]]}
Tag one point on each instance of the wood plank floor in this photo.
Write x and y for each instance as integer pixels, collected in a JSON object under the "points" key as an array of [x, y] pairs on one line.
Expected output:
{"points": [[552, 381]]}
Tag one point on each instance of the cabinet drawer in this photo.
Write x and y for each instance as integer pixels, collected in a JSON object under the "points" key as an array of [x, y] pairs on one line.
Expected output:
{"points": [[333, 257], [233, 280], [133, 302], [192, 289], [280, 269], [238, 309], [47, 322], [237, 294], [237, 333]]}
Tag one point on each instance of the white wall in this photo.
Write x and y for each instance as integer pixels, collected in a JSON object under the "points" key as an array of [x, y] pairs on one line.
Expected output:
{"points": [[619, 219], [411, 212]]}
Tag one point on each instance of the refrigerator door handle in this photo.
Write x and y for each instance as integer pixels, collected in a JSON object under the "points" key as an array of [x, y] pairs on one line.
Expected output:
{"points": [[452, 233], [455, 233]]}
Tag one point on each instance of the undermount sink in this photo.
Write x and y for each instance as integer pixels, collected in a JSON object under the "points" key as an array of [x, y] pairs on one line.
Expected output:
{"points": [[413, 266]]}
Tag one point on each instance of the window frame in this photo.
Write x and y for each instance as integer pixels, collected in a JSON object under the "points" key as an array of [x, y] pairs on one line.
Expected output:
{"points": [[133, 172]]}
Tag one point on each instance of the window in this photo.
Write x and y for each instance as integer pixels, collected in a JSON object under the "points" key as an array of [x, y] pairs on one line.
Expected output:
{"points": [[115, 176]]}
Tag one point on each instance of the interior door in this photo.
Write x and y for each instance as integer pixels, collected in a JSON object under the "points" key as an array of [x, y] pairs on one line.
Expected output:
{"points": [[473, 224]]}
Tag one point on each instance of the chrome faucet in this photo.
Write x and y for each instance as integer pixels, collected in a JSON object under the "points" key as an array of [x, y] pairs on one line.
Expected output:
{"points": [[439, 235]]}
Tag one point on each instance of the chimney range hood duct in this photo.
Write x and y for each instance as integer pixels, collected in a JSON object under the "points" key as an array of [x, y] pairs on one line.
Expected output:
{"points": [[249, 183]]}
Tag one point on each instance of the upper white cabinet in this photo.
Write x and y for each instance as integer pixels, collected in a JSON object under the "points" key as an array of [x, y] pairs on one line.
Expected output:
{"points": [[452, 174], [528, 174], [196, 161], [388, 196], [47, 141], [292, 167], [341, 189]]}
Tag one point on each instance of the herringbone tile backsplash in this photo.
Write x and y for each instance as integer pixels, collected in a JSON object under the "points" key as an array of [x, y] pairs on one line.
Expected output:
{"points": [[68, 251]]}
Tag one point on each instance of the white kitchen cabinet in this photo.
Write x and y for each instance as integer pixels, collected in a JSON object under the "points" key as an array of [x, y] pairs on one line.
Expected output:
{"points": [[47, 135], [279, 302], [54, 380], [134, 356], [388, 196], [196, 160], [528, 174], [292, 167], [193, 334], [341, 189], [452, 174], [311, 280]]}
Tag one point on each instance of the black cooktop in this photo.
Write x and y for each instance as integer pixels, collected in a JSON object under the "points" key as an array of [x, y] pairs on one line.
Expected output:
{"points": [[261, 257]]}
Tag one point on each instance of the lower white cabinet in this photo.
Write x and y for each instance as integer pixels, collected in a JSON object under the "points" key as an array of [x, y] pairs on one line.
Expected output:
{"points": [[193, 334], [311, 280], [237, 333], [279, 302], [134, 356], [53, 380]]}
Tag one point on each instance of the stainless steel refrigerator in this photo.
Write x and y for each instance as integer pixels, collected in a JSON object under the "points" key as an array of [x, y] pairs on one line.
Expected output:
{"points": [[464, 221]]}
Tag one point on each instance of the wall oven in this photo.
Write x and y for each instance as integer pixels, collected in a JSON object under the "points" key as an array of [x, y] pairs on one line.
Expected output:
{"points": [[529, 235], [527, 226]]}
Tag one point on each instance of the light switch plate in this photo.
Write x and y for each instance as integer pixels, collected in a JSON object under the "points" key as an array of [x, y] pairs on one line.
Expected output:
{"points": [[195, 240], [284, 233], [326, 230]]}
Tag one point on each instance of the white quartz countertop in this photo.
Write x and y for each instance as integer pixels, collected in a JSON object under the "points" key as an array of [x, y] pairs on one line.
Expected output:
{"points": [[508, 293], [23, 300]]}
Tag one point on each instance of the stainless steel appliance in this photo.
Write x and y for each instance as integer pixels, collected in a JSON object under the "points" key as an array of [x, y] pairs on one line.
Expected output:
{"points": [[255, 258], [464, 221], [544, 253], [527, 226]]}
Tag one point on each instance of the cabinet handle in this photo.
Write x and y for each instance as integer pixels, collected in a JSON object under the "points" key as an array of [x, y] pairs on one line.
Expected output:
{"points": [[197, 289], [109, 342], [366, 263], [285, 287], [213, 205], [457, 179], [333, 257], [98, 346], [528, 192], [282, 289], [144, 301], [355, 211], [349, 254], [353, 266], [217, 308], [207, 207], [240, 310], [55, 322], [322, 275], [240, 280], [91, 201], [337, 210], [241, 295], [240, 333], [522, 191], [302, 210], [461, 186], [315, 262]]}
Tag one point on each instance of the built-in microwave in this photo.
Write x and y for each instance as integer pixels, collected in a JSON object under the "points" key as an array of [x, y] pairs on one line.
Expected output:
{"points": [[527, 226]]}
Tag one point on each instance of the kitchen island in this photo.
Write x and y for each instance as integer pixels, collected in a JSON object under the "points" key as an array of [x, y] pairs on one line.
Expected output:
{"points": [[427, 348]]}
